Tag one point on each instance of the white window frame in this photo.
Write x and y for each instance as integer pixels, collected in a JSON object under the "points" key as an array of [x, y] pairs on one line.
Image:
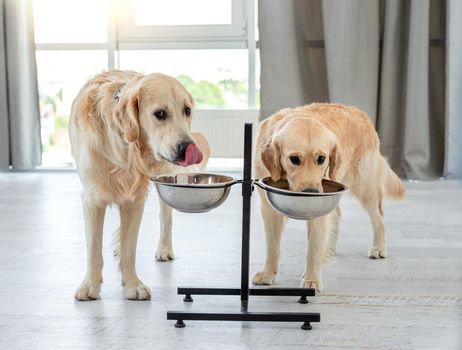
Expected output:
{"points": [[238, 35], [124, 35]]}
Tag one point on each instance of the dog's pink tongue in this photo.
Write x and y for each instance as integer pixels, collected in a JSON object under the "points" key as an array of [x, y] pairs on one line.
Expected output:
{"points": [[192, 156]]}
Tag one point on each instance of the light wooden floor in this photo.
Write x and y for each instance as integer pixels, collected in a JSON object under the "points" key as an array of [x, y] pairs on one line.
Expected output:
{"points": [[411, 300]]}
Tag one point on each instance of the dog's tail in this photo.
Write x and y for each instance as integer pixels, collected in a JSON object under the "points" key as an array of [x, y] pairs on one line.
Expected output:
{"points": [[394, 188]]}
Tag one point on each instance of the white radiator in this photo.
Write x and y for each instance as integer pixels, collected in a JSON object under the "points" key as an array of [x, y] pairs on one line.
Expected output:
{"points": [[224, 129]]}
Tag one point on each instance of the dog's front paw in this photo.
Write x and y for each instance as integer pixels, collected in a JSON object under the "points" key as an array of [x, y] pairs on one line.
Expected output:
{"points": [[87, 291], [312, 283], [137, 292], [164, 254], [263, 278], [377, 252]]}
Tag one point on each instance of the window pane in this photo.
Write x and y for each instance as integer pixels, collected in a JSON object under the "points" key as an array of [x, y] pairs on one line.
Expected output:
{"points": [[182, 12], [216, 78], [70, 21], [61, 74]]}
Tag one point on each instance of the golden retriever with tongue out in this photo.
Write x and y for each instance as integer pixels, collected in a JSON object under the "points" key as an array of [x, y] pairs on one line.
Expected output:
{"points": [[125, 128], [303, 145]]}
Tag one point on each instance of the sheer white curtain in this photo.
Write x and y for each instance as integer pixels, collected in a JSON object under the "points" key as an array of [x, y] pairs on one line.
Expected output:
{"points": [[20, 145]]}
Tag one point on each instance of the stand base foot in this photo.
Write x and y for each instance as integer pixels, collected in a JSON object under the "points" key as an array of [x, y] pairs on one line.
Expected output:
{"points": [[188, 298], [180, 324], [306, 326], [303, 300]]}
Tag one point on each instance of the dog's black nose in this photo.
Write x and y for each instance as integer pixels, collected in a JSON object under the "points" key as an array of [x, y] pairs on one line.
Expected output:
{"points": [[309, 189], [181, 149]]}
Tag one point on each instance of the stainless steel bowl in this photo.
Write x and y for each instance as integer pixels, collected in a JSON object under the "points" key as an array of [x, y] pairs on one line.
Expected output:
{"points": [[302, 205], [193, 192]]}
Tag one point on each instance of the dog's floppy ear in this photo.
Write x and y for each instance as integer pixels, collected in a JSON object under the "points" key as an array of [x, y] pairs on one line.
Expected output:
{"points": [[270, 157], [127, 114], [335, 161]]}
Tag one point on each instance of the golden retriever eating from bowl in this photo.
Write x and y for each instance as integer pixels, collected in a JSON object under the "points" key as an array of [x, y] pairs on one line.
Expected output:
{"points": [[126, 127], [303, 145]]}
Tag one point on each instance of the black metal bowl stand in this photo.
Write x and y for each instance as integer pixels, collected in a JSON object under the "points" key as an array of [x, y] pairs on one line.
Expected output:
{"points": [[245, 291]]}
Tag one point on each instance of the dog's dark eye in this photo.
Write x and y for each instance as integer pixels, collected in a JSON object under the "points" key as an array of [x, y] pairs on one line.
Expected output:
{"points": [[160, 114], [295, 160], [321, 160], [187, 111]]}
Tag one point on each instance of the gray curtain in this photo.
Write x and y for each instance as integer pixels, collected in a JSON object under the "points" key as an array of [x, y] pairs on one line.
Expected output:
{"points": [[20, 145], [453, 132], [398, 60]]}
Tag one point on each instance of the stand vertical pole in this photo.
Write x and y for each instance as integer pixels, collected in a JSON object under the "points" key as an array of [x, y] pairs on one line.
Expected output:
{"points": [[246, 195]]}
